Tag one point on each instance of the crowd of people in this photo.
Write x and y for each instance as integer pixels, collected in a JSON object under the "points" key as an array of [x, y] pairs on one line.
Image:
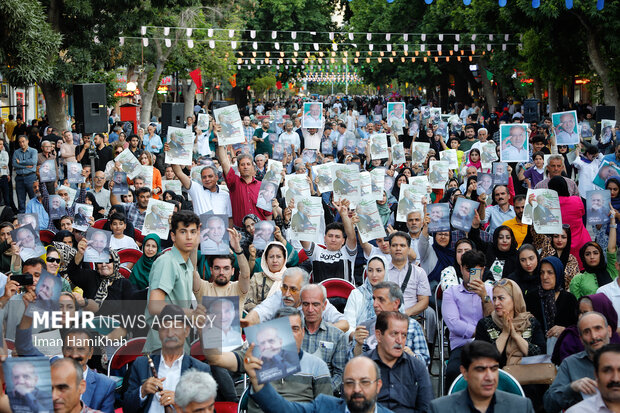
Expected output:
{"points": [[510, 296]]}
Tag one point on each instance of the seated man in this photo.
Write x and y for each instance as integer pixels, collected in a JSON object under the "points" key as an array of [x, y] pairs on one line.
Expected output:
{"points": [[575, 377], [406, 382], [195, 392], [306, 385], [463, 306], [388, 297], [480, 367], [68, 387], [293, 280]]}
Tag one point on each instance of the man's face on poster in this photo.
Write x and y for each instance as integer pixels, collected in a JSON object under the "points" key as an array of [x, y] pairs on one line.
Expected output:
{"points": [[46, 290], [567, 121], [269, 343], [315, 110], [216, 229], [24, 378], [26, 238], [99, 241], [517, 136], [464, 209], [436, 214], [55, 202], [226, 312], [596, 201], [398, 110]]}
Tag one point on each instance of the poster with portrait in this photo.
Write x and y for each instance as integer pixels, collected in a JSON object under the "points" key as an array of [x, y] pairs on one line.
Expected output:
{"points": [[450, 155], [323, 176], [463, 214], [365, 185], [29, 384], [308, 156], [71, 194], [224, 333], [27, 240], [214, 238], [346, 183], [440, 217], [396, 112], [28, 219], [398, 154], [585, 130], [370, 225], [47, 171], [57, 207], [47, 293], [377, 119], [485, 183], [597, 207], [263, 234], [147, 173], [414, 129], [605, 171], [203, 121], [435, 115], [232, 128], [83, 214], [306, 219], [514, 141], [438, 174], [500, 173], [377, 177], [173, 185], [275, 346], [296, 186], [74, 173], [312, 115], [266, 194], [121, 187], [542, 209], [488, 154], [181, 143], [98, 249], [565, 127], [421, 186], [378, 146], [409, 200], [607, 131], [156, 219], [350, 144], [425, 112], [388, 183], [129, 163], [419, 150], [274, 172]]}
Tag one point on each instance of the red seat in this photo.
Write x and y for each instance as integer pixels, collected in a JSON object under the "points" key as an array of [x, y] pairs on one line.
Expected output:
{"points": [[166, 250], [124, 272], [337, 287], [226, 407], [137, 235], [129, 255], [100, 223], [10, 344], [126, 353], [196, 351], [46, 236]]}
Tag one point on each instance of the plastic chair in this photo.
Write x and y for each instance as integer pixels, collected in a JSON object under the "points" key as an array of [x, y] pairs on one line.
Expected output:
{"points": [[46, 236], [137, 235], [166, 250], [338, 291], [244, 400], [226, 407], [104, 325], [124, 272], [506, 383], [196, 351], [126, 354], [10, 344], [128, 255], [100, 223], [440, 339]]}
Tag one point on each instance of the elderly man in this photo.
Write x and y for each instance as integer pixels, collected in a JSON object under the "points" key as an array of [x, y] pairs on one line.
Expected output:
{"points": [[68, 387], [555, 167], [293, 280], [575, 377], [25, 396], [195, 392]]}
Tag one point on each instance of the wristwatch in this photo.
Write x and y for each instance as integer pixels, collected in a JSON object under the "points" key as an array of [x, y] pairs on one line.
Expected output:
{"points": [[487, 299]]}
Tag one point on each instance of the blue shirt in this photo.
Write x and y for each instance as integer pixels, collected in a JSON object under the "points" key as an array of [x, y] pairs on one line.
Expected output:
{"points": [[27, 158], [149, 142], [113, 137], [611, 158], [34, 206]]}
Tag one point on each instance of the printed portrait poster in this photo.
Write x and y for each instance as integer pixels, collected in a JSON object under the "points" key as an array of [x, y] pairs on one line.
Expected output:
{"points": [[129, 163], [439, 172], [232, 128], [347, 183], [274, 172], [398, 154], [419, 150], [543, 211], [214, 238], [98, 249], [74, 173], [121, 187], [296, 186], [71, 193], [29, 384], [83, 214], [278, 151], [308, 156], [377, 118], [57, 207], [425, 112], [607, 131], [47, 171], [312, 115], [323, 176], [395, 112], [597, 207], [440, 217], [203, 121], [365, 185], [488, 154], [370, 225], [181, 143], [435, 115], [266, 194], [421, 186], [500, 173], [388, 183], [514, 141], [463, 214], [156, 219], [450, 156], [222, 328], [565, 127], [47, 293], [28, 241], [442, 130], [605, 171], [275, 346], [408, 201], [306, 219], [362, 120], [485, 183], [377, 177], [585, 130], [28, 219], [378, 146], [263, 234], [173, 185], [414, 129]]}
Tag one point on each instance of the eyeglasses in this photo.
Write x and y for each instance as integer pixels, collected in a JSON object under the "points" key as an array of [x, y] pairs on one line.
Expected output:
{"points": [[501, 282], [286, 288], [53, 260], [364, 384]]}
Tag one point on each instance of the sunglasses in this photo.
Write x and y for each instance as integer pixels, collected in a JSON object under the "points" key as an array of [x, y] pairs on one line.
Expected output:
{"points": [[54, 260]]}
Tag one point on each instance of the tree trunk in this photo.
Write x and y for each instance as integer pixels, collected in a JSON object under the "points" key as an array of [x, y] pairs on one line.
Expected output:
{"points": [[189, 91], [553, 98], [487, 87], [148, 91], [611, 95], [54, 105], [536, 84]]}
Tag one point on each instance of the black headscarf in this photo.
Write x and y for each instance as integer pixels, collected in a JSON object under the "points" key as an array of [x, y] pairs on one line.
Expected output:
{"points": [[527, 282], [559, 185], [600, 271], [504, 255], [396, 188], [566, 251]]}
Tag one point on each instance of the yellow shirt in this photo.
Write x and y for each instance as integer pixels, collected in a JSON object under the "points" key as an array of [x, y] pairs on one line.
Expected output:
{"points": [[519, 230]]}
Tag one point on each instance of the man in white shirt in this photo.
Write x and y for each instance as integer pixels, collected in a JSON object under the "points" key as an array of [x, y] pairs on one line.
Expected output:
{"points": [[515, 151], [612, 291], [344, 135], [289, 137]]}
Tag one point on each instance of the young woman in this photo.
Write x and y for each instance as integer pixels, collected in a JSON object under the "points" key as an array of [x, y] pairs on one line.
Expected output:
{"points": [[434, 258], [501, 252], [151, 248], [558, 245], [527, 274], [474, 160], [148, 159]]}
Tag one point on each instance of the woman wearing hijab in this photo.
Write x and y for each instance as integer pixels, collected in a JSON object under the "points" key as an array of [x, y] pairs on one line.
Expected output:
{"points": [[573, 212], [473, 159], [527, 274], [151, 248], [384, 209], [598, 271], [514, 331], [105, 284], [569, 341], [558, 245], [434, 258], [98, 210], [554, 308], [265, 283], [501, 253]]}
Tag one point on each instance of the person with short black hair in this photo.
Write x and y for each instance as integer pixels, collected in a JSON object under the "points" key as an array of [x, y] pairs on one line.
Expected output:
{"points": [[118, 224], [135, 212]]}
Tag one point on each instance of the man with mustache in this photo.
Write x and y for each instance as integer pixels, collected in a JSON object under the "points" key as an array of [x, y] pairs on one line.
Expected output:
{"points": [[575, 377], [497, 214]]}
